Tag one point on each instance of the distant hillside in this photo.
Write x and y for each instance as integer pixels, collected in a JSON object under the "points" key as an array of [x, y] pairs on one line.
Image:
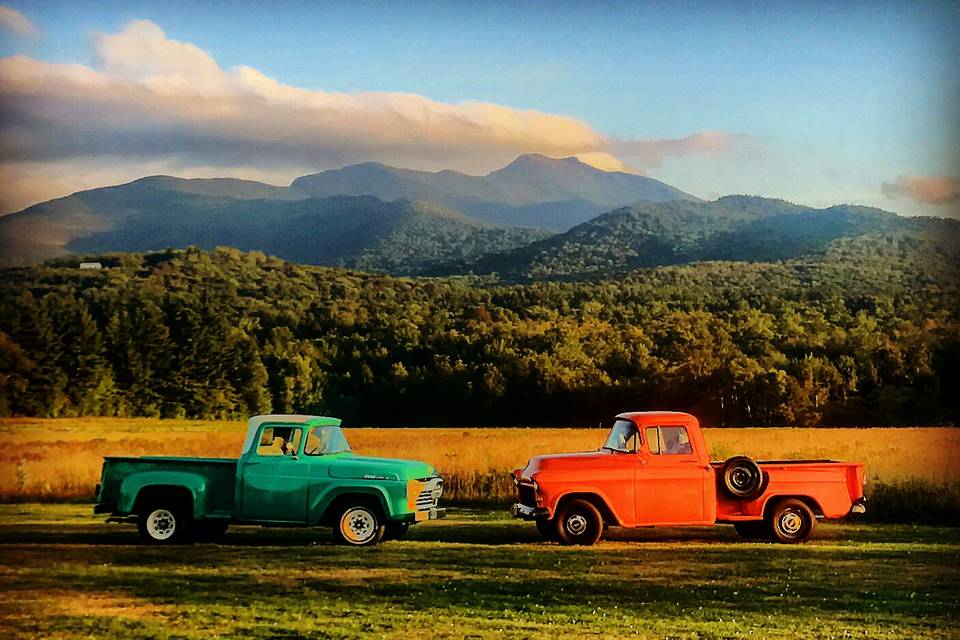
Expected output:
{"points": [[533, 191], [363, 232], [732, 228]]}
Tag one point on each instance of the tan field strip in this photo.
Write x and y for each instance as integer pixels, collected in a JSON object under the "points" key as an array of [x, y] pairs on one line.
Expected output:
{"points": [[61, 458]]}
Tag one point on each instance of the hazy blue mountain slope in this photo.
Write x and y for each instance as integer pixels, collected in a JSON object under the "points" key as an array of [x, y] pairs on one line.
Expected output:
{"points": [[533, 190], [736, 228], [361, 231]]}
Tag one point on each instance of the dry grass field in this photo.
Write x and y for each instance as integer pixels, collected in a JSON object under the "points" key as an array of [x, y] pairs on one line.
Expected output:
{"points": [[59, 459]]}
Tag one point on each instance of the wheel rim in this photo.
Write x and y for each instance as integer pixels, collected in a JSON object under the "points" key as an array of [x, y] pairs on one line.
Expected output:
{"points": [[161, 524], [576, 524], [741, 478], [358, 525], [791, 523]]}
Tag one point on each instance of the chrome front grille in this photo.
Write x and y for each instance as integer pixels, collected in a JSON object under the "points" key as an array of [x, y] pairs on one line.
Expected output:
{"points": [[430, 495]]}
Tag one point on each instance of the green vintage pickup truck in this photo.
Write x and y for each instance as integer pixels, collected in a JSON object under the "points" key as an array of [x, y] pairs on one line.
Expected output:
{"points": [[293, 470]]}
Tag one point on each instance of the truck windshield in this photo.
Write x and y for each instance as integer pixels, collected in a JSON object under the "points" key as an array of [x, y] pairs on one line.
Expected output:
{"points": [[623, 436], [325, 440]]}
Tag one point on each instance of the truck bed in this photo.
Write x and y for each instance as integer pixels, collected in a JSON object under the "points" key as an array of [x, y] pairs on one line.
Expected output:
{"points": [[219, 474], [832, 484]]}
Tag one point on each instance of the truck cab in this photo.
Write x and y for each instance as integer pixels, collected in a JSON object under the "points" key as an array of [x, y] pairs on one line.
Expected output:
{"points": [[293, 470], [654, 469]]}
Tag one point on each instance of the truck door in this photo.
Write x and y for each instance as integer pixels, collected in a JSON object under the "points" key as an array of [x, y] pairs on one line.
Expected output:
{"points": [[274, 477], [670, 478]]}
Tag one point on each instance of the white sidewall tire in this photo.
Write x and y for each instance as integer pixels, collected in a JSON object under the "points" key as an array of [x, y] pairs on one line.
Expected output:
{"points": [[165, 524], [161, 524], [359, 525]]}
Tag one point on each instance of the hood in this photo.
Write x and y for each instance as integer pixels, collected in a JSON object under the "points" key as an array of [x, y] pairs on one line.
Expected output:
{"points": [[567, 461], [360, 467]]}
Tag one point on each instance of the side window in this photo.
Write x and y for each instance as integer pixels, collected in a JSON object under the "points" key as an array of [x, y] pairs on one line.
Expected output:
{"points": [[653, 439], [325, 440], [668, 440], [279, 441]]}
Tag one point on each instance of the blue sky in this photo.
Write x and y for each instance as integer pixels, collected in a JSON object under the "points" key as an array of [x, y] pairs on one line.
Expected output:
{"points": [[824, 102]]}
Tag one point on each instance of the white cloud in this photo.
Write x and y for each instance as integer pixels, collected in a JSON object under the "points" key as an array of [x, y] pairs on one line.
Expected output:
{"points": [[148, 96], [651, 152], [14, 21]]}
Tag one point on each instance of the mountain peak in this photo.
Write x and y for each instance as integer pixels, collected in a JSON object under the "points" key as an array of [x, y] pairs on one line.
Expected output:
{"points": [[539, 160]]}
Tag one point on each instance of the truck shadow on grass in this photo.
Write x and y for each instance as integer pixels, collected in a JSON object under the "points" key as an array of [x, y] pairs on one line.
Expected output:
{"points": [[468, 532]]}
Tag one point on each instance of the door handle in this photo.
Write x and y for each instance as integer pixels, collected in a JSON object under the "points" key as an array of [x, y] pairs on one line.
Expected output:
{"points": [[250, 464]]}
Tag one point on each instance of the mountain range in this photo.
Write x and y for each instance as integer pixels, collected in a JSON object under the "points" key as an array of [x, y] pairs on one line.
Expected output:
{"points": [[314, 220], [537, 217]]}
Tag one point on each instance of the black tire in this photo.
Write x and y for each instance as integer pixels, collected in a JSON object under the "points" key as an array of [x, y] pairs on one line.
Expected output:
{"points": [[742, 478], [578, 522], [791, 521], [396, 530], [209, 530], [753, 529], [164, 522], [547, 528], [358, 524]]}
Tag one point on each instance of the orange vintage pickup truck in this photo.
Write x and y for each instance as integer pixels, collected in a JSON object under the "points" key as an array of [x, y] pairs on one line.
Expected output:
{"points": [[654, 470]]}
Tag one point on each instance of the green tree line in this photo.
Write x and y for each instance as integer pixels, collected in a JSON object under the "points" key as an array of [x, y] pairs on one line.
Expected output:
{"points": [[866, 335]]}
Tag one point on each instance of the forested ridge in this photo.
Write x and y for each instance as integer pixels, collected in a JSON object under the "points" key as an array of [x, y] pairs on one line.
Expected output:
{"points": [[866, 334], [651, 234]]}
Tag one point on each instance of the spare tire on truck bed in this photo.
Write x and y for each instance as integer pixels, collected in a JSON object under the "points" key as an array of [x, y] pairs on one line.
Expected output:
{"points": [[741, 478]]}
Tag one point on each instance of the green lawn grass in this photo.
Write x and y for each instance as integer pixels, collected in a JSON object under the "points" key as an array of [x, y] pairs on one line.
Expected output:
{"points": [[66, 574]]}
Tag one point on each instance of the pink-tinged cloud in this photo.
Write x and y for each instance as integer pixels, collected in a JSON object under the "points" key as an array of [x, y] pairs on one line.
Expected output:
{"points": [[924, 189], [17, 23], [149, 98], [651, 152]]}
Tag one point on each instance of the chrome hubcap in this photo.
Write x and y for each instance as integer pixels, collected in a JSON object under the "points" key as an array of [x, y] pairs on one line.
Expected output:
{"points": [[161, 524], [576, 524], [358, 525], [791, 523]]}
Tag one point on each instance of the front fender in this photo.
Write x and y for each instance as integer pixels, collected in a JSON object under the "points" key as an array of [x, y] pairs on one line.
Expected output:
{"points": [[135, 483], [389, 500], [587, 490]]}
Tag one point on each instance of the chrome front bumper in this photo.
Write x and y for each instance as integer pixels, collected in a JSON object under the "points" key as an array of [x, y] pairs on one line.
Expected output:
{"points": [[526, 512], [430, 514]]}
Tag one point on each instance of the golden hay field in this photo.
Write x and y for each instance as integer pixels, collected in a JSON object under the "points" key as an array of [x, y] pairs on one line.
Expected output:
{"points": [[52, 459]]}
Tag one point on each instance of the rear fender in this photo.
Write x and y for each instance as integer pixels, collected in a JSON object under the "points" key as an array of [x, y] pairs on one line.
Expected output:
{"points": [[135, 483], [770, 501]]}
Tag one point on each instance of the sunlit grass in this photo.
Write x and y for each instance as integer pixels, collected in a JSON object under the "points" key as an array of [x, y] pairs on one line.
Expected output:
{"points": [[66, 574]]}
